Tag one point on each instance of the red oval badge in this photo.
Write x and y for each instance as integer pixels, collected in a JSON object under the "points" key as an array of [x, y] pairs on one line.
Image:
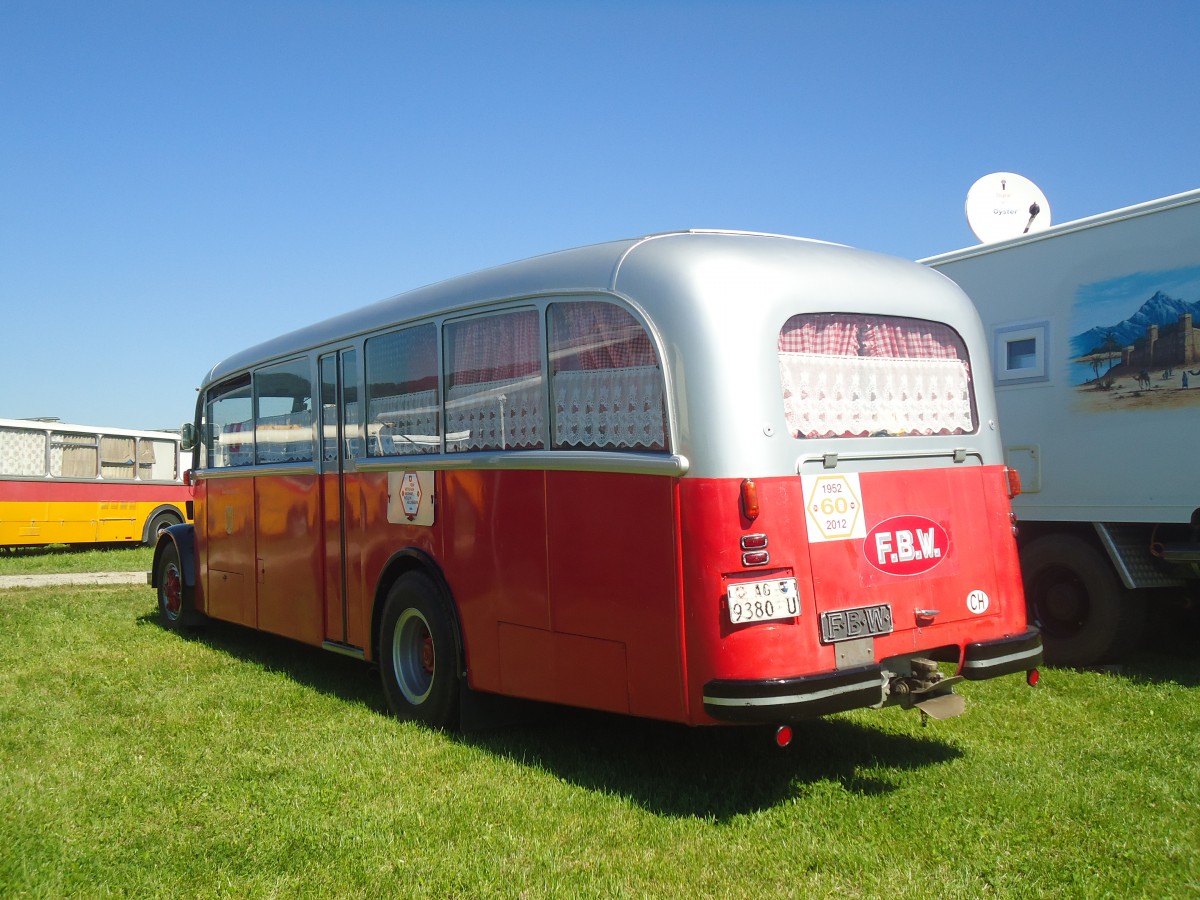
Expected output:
{"points": [[906, 545]]}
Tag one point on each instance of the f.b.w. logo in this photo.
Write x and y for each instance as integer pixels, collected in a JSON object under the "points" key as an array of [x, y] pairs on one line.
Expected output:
{"points": [[906, 545]]}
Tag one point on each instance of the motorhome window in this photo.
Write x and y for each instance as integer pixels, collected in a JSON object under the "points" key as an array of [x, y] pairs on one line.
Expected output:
{"points": [[22, 452], [284, 413], [229, 425], [117, 457], [495, 392], [606, 384], [403, 408], [73, 455], [157, 460], [853, 375], [1022, 354]]}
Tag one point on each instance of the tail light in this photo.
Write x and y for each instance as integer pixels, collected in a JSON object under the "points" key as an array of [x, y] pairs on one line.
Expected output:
{"points": [[1014, 482], [750, 499]]}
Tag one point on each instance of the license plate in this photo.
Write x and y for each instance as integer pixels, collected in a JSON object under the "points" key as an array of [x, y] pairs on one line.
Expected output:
{"points": [[761, 601], [861, 621]]}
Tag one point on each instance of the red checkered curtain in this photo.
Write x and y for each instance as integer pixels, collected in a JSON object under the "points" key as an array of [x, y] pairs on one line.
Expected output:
{"points": [[898, 338], [827, 335], [590, 335], [494, 348]]}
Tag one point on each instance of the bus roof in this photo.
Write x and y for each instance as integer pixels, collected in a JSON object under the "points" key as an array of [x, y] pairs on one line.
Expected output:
{"points": [[592, 268]]}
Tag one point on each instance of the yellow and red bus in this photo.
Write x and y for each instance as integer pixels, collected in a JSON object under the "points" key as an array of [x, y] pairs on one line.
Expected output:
{"points": [[79, 484], [702, 477]]}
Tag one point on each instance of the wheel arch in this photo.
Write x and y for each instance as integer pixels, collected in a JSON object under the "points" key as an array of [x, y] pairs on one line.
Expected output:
{"points": [[413, 559], [167, 509]]}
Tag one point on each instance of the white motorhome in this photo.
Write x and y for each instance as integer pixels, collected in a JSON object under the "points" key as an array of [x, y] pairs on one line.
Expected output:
{"points": [[1095, 339]]}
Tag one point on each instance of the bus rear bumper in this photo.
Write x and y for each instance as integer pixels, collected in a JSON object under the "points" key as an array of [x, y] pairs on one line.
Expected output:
{"points": [[789, 699], [988, 659], [776, 700]]}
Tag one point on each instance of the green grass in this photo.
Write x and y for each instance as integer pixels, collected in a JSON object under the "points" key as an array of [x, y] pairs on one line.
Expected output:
{"points": [[57, 558], [135, 761]]}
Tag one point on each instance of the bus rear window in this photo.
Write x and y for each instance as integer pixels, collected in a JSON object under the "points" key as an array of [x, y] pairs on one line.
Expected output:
{"points": [[853, 375]]}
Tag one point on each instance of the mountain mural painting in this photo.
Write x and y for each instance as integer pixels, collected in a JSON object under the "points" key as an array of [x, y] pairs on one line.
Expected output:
{"points": [[1151, 356]]}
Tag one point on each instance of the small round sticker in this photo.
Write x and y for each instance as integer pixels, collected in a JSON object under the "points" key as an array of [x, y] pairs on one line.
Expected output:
{"points": [[977, 602]]}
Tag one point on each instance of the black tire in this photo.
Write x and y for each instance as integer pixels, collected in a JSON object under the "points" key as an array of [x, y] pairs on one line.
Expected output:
{"points": [[419, 659], [1073, 596], [158, 525], [175, 609]]}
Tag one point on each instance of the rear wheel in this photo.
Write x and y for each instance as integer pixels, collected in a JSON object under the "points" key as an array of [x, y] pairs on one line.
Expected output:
{"points": [[418, 653], [1085, 614], [158, 525]]}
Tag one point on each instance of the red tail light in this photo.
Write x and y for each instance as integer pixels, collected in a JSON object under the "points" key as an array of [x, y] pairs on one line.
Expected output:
{"points": [[750, 499], [1014, 482]]}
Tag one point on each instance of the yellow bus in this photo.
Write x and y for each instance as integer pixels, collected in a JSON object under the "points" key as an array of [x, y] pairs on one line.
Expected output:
{"points": [[79, 484]]}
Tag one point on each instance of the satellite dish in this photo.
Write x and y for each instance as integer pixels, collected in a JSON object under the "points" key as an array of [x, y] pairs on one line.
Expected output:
{"points": [[1003, 205]]}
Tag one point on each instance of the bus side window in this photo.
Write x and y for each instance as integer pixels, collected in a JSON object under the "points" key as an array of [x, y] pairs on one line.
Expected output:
{"points": [[229, 431], [284, 412], [403, 409], [606, 383], [494, 386]]}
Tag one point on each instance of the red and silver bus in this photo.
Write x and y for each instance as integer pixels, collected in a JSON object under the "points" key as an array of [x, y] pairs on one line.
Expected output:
{"points": [[80, 484], [701, 477]]}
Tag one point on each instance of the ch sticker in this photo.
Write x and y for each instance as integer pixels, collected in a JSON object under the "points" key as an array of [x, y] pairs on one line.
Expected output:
{"points": [[978, 602]]}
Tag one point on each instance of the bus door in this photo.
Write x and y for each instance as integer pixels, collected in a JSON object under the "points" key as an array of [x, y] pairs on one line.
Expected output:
{"points": [[339, 433], [287, 502], [225, 508]]}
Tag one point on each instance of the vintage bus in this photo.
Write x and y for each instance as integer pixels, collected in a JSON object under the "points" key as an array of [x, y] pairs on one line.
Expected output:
{"points": [[79, 484], [702, 477]]}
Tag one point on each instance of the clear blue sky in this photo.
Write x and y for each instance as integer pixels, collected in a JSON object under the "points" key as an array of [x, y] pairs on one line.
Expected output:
{"points": [[179, 180]]}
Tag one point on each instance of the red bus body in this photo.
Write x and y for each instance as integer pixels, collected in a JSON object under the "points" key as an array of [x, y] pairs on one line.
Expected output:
{"points": [[609, 581]]}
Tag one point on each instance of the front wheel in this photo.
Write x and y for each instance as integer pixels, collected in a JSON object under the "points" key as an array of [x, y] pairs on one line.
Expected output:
{"points": [[175, 607], [1085, 614], [418, 653]]}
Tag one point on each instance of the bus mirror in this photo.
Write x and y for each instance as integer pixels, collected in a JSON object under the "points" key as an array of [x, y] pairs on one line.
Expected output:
{"points": [[188, 433]]}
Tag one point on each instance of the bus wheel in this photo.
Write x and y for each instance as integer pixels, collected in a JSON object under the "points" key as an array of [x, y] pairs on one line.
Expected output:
{"points": [[158, 525], [1085, 614], [418, 654], [174, 606]]}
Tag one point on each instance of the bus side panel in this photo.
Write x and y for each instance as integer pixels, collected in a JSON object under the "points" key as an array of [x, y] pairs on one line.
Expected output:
{"points": [[290, 557], [612, 563], [225, 542], [494, 560], [371, 541]]}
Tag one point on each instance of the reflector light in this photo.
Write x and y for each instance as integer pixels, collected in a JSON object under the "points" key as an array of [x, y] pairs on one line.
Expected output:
{"points": [[754, 541], [187, 478], [749, 499], [1014, 482], [1032, 677], [783, 736], [756, 558]]}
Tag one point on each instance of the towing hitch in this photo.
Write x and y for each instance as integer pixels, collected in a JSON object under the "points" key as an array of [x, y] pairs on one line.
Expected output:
{"points": [[927, 690]]}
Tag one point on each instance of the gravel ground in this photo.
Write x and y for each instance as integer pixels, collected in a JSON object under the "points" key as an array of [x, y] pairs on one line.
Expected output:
{"points": [[12, 581]]}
